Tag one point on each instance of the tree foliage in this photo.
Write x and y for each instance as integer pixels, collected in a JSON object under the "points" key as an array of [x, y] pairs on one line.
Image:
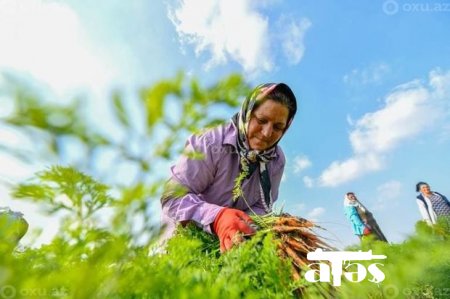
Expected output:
{"points": [[170, 110]]}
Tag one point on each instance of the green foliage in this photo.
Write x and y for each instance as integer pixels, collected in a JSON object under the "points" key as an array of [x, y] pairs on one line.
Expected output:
{"points": [[237, 188], [90, 258], [12, 229], [49, 124], [51, 127], [192, 267], [46, 122], [86, 261], [408, 267], [155, 96], [119, 109], [84, 195]]}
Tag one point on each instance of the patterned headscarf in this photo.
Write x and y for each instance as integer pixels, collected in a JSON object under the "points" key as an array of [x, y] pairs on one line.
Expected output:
{"points": [[251, 159], [354, 203]]}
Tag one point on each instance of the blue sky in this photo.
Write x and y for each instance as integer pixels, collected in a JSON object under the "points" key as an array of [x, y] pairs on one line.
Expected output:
{"points": [[372, 79]]}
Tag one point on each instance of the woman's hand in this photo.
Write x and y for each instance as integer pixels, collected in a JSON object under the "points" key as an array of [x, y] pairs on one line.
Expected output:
{"points": [[230, 225], [367, 231]]}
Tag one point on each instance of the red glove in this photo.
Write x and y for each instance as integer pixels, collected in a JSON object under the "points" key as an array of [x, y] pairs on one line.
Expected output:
{"points": [[228, 223], [366, 231]]}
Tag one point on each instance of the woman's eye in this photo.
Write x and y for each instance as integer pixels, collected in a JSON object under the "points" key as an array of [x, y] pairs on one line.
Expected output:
{"points": [[260, 121], [276, 128]]}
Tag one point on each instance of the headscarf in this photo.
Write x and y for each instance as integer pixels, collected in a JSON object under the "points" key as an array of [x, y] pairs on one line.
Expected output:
{"points": [[419, 185], [355, 203], [251, 159], [360, 208]]}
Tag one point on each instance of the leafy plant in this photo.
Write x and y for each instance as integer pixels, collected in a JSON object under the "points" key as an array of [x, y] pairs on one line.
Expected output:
{"points": [[94, 257]]}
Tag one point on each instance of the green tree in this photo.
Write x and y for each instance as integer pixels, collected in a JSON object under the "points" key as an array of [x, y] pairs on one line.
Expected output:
{"points": [[170, 110]]}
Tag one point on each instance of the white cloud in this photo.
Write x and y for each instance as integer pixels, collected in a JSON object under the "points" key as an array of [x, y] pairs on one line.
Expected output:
{"points": [[403, 116], [301, 163], [315, 213], [227, 29], [309, 182], [400, 118], [340, 172], [300, 206], [235, 30], [370, 75], [293, 39], [45, 39], [388, 193]]}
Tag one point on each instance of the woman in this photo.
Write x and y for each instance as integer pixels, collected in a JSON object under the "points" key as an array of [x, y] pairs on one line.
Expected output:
{"points": [[240, 170], [432, 205], [363, 222]]}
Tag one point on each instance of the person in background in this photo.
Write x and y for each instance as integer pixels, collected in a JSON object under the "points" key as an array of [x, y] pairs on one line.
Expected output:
{"points": [[362, 220], [432, 205], [239, 172], [12, 228]]}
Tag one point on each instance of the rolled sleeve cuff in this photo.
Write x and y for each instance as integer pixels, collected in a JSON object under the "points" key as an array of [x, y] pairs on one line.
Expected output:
{"points": [[191, 208], [208, 213]]}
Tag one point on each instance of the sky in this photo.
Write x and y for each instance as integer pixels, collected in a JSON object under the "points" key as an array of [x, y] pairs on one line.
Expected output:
{"points": [[372, 79]]}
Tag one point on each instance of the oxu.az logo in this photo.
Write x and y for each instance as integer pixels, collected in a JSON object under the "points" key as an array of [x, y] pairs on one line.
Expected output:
{"points": [[340, 261]]}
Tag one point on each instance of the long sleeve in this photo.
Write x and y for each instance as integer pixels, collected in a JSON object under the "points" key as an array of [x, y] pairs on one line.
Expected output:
{"points": [[424, 212], [353, 216], [195, 175], [199, 187]]}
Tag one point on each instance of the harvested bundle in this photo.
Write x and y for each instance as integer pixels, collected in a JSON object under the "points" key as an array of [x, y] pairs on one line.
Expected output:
{"points": [[295, 237], [289, 237]]}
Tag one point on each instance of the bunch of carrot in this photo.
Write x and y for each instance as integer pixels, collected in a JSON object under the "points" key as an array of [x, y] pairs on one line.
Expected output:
{"points": [[295, 238]]}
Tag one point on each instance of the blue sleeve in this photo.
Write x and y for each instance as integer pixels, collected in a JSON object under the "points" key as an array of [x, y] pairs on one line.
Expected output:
{"points": [[353, 216]]}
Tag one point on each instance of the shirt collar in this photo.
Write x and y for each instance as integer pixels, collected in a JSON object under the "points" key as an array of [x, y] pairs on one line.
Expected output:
{"points": [[230, 134]]}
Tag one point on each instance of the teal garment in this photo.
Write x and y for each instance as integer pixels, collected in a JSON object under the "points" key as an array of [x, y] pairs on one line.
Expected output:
{"points": [[357, 225]]}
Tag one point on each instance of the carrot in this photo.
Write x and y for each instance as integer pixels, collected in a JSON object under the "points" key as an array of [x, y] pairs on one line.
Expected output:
{"points": [[293, 255], [309, 236], [295, 273], [287, 229], [293, 222], [298, 246]]}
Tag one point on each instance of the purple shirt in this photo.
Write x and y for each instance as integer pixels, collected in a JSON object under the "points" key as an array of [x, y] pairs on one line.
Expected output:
{"points": [[210, 181]]}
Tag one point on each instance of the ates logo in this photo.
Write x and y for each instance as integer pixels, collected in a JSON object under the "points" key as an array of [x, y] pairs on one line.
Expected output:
{"points": [[354, 272]]}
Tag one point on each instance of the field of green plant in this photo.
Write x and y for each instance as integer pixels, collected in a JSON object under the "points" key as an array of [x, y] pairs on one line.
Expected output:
{"points": [[93, 263], [94, 257]]}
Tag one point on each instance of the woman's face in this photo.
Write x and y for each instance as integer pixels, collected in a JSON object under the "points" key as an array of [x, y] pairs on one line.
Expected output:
{"points": [[425, 189], [351, 197], [267, 125]]}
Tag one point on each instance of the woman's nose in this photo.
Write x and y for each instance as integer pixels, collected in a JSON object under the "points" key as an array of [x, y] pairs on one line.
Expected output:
{"points": [[267, 130]]}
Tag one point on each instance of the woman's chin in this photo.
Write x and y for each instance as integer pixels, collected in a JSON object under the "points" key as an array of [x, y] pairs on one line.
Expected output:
{"points": [[259, 146]]}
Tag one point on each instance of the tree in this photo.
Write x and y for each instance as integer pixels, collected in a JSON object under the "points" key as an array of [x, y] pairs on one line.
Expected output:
{"points": [[170, 110]]}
